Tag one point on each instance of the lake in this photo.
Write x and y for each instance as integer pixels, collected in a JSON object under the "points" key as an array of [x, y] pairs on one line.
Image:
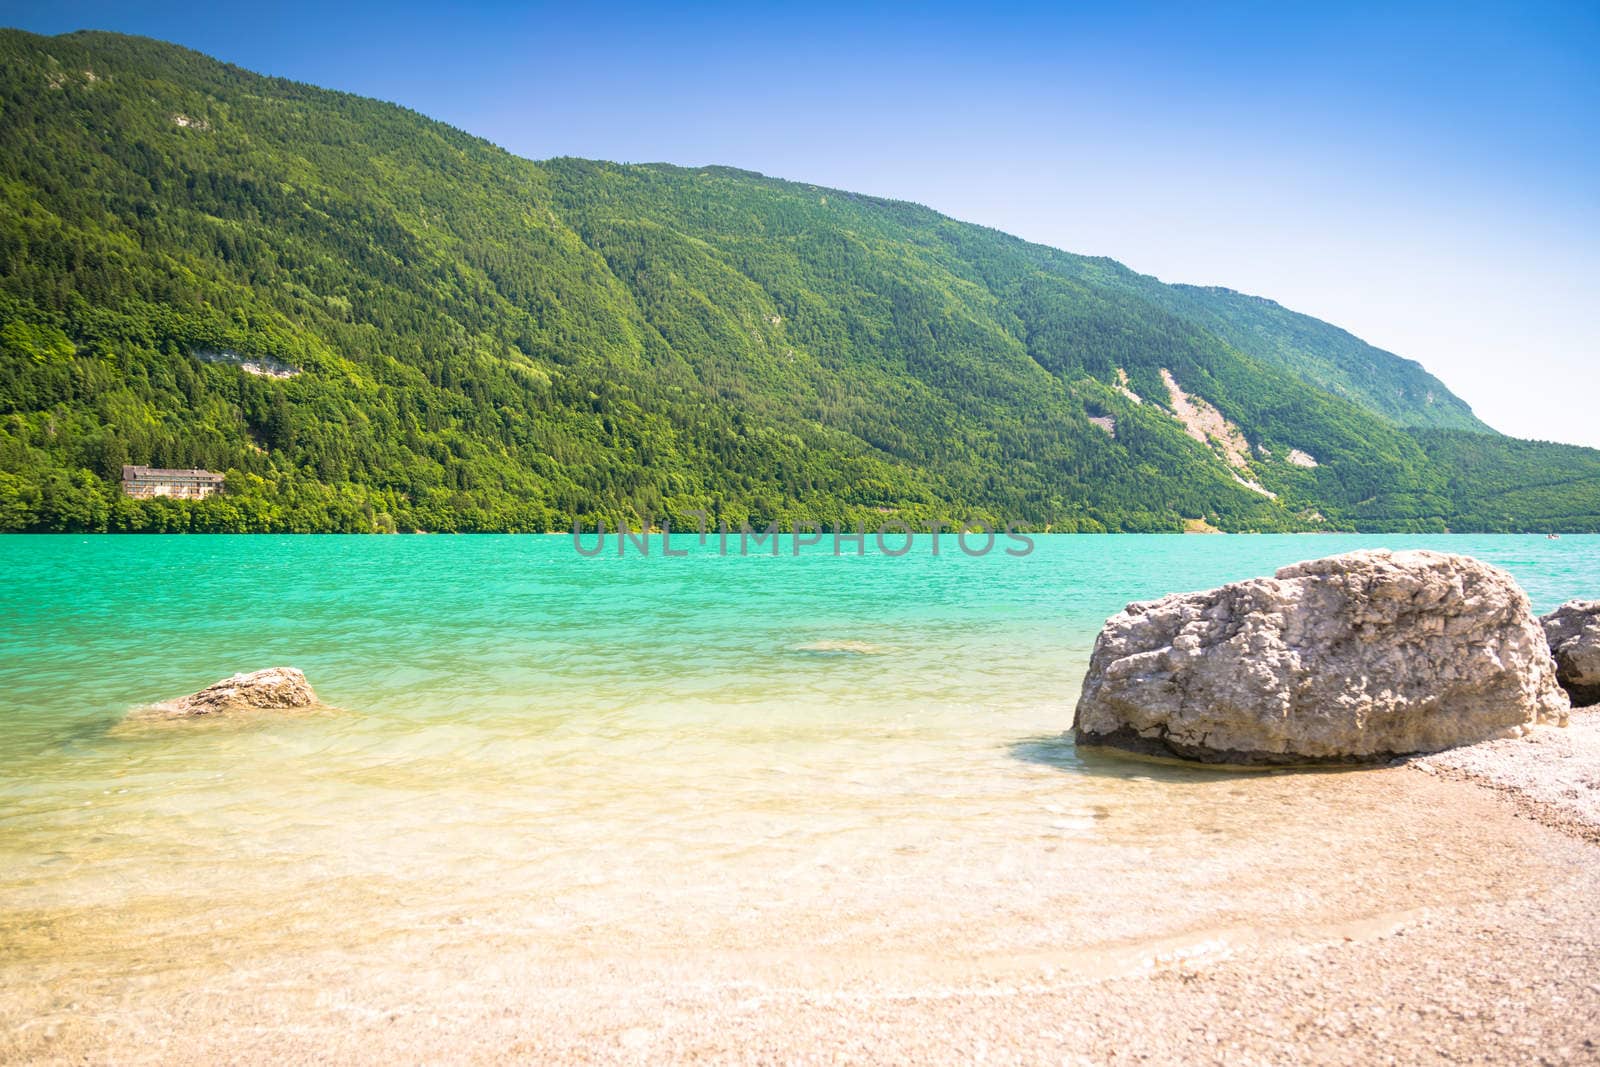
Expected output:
{"points": [[764, 757]]}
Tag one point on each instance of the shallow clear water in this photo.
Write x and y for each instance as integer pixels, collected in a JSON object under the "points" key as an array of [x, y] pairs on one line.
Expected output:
{"points": [[669, 748]]}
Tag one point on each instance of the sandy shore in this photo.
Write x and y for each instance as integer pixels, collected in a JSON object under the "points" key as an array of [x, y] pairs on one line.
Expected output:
{"points": [[1552, 775], [1371, 916]]}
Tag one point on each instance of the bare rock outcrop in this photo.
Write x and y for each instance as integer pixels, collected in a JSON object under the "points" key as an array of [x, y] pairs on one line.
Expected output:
{"points": [[1350, 659], [1573, 631], [273, 688]]}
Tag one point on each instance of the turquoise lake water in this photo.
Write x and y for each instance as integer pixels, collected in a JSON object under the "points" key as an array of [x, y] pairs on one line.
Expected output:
{"points": [[634, 740], [523, 634]]}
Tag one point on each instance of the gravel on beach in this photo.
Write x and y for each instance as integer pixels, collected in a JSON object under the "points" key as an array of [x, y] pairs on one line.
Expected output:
{"points": [[1551, 775]]}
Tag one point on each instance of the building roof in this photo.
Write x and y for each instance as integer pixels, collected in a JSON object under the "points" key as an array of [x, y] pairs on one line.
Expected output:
{"points": [[129, 471]]}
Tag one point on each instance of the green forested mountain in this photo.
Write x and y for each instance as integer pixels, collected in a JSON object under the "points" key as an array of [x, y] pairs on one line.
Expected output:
{"points": [[487, 343], [1320, 353], [1327, 356]]}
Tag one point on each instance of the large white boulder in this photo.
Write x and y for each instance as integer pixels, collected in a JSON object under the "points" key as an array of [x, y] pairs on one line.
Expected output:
{"points": [[1353, 658]]}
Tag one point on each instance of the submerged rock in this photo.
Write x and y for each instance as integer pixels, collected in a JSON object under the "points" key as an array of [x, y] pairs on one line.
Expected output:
{"points": [[841, 648], [275, 687], [1349, 659], [1573, 631]]}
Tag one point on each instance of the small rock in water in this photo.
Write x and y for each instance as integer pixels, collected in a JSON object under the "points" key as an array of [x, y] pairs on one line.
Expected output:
{"points": [[275, 687], [1354, 658], [1573, 631]]}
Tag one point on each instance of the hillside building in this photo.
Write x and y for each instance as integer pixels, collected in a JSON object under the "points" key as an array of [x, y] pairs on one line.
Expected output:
{"points": [[155, 481]]}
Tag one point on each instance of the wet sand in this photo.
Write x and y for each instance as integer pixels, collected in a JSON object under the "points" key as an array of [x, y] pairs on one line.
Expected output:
{"points": [[1381, 915]]}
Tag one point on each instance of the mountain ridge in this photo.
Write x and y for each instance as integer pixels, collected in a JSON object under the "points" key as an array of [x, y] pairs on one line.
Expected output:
{"points": [[1335, 375], [488, 342]]}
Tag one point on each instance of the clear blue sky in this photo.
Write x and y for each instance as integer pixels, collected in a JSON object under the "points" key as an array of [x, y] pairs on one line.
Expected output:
{"points": [[1427, 177]]}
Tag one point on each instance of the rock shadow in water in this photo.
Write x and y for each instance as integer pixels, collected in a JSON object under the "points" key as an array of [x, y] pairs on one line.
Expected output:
{"points": [[1058, 751], [154, 720]]}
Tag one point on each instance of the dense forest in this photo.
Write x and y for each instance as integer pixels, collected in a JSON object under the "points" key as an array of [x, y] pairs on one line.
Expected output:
{"points": [[470, 341]]}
